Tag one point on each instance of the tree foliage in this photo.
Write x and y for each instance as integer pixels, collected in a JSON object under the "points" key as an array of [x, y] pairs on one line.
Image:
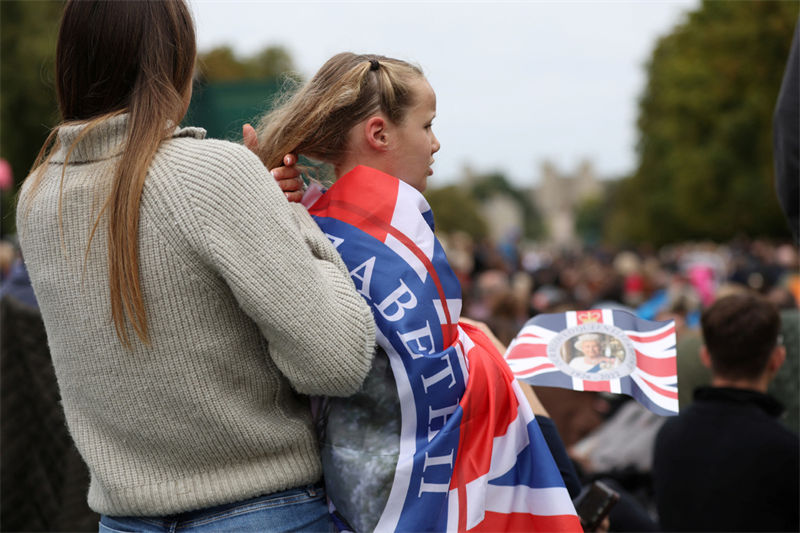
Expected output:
{"points": [[455, 209], [590, 219], [222, 64], [705, 118], [487, 185], [28, 109]]}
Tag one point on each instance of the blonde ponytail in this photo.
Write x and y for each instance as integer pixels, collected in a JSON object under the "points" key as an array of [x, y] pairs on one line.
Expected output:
{"points": [[315, 121]]}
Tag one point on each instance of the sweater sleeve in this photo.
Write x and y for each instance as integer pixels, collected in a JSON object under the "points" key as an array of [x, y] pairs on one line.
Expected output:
{"points": [[281, 269]]}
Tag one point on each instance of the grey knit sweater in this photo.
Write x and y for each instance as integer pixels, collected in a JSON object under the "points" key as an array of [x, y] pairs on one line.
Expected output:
{"points": [[249, 308]]}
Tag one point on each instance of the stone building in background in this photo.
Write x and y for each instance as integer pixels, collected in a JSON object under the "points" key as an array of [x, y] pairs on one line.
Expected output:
{"points": [[558, 196]]}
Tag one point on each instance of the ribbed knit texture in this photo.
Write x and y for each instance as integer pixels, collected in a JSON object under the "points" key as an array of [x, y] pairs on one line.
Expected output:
{"points": [[248, 304]]}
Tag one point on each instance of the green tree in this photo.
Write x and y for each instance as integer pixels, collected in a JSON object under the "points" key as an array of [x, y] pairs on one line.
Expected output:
{"points": [[455, 209], [270, 62], [28, 108], [705, 142], [222, 64], [487, 185], [590, 219]]}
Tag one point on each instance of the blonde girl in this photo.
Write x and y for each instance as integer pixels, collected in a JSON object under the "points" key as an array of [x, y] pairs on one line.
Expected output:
{"points": [[189, 309], [409, 451], [358, 110]]}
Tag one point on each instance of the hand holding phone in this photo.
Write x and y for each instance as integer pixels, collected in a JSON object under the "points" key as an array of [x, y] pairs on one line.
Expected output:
{"points": [[594, 503]]}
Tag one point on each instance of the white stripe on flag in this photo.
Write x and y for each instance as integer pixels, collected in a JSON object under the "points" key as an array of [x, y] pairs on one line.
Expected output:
{"points": [[534, 361], [651, 333], [453, 307], [405, 460], [452, 511], [529, 340], [670, 404], [463, 363], [539, 331], [466, 345], [413, 224], [412, 260], [505, 449], [551, 501], [615, 385], [482, 497], [608, 316], [572, 318], [523, 365], [665, 382], [660, 349], [577, 384]]}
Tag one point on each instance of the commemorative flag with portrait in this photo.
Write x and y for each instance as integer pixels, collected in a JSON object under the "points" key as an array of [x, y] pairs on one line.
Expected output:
{"points": [[471, 455], [606, 350]]}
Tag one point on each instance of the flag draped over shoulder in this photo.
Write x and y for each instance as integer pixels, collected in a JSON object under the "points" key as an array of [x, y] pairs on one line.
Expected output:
{"points": [[631, 356], [472, 457]]}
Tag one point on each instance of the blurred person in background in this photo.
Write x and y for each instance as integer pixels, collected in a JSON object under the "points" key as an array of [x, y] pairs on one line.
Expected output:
{"points": [[725, 463]]}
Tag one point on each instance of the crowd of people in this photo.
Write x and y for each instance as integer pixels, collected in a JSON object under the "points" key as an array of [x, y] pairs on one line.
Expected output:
{"points": [[611, 437], [183, 313]]}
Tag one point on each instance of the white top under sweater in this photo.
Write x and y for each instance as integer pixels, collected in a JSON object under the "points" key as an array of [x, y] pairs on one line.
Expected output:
{"points": [[249, 308]]}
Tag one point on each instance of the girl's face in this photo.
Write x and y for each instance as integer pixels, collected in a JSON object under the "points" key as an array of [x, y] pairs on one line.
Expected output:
{"points": [[414, 144]]}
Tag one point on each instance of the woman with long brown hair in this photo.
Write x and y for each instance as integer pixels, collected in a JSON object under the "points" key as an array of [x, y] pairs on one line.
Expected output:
{"points": [[189, 308]]}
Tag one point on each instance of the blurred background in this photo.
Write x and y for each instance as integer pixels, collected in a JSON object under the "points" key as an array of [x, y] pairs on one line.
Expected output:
{"points": [[594, 154], [568, 124]]}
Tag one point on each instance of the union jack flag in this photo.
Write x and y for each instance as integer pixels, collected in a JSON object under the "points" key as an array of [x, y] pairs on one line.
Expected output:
{"points": [[635, 357], [472, 457]]}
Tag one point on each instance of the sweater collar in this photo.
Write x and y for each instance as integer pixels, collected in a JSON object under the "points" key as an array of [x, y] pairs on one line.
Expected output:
{"points": [[765, 402], [104, 141]]}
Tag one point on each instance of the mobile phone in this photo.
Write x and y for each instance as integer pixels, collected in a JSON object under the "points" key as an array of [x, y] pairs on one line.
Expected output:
{"points": [[594, 503]]}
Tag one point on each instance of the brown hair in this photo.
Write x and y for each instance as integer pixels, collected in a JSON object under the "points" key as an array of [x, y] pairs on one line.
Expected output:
{"points": [[123, 57], [740, 332], [349, 87]]}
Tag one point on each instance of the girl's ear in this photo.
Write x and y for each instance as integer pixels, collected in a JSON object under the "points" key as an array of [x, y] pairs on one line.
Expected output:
{"points": [[376, 132]]}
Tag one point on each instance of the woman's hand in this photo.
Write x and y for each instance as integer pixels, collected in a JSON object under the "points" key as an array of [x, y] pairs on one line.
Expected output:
{"points": [[287, 176]]}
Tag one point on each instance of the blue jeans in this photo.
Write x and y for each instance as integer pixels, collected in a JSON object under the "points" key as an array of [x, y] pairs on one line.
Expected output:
{"points": [[300, 509]]}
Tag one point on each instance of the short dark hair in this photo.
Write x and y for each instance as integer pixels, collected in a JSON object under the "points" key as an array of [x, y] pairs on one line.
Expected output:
{"points": [[740, 332]]}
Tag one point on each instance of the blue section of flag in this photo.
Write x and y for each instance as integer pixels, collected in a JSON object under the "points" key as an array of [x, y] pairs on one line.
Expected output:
{"points": [[528, 471]]}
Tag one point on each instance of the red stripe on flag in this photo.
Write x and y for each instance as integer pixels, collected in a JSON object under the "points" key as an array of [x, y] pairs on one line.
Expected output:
{"points": [[449, 331], [529, 336], [494, 522], [522, 351], [661, 368], [381, 199], [663, 334], [662, 392], [488, 406], [534, 369], [598, 386]]}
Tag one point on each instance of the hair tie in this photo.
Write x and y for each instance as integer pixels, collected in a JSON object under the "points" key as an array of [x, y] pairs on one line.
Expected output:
{"points": [[374, 65]]}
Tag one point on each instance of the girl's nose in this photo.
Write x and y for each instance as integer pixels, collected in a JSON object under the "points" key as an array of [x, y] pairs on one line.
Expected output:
{"points": [[435, 145]]}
